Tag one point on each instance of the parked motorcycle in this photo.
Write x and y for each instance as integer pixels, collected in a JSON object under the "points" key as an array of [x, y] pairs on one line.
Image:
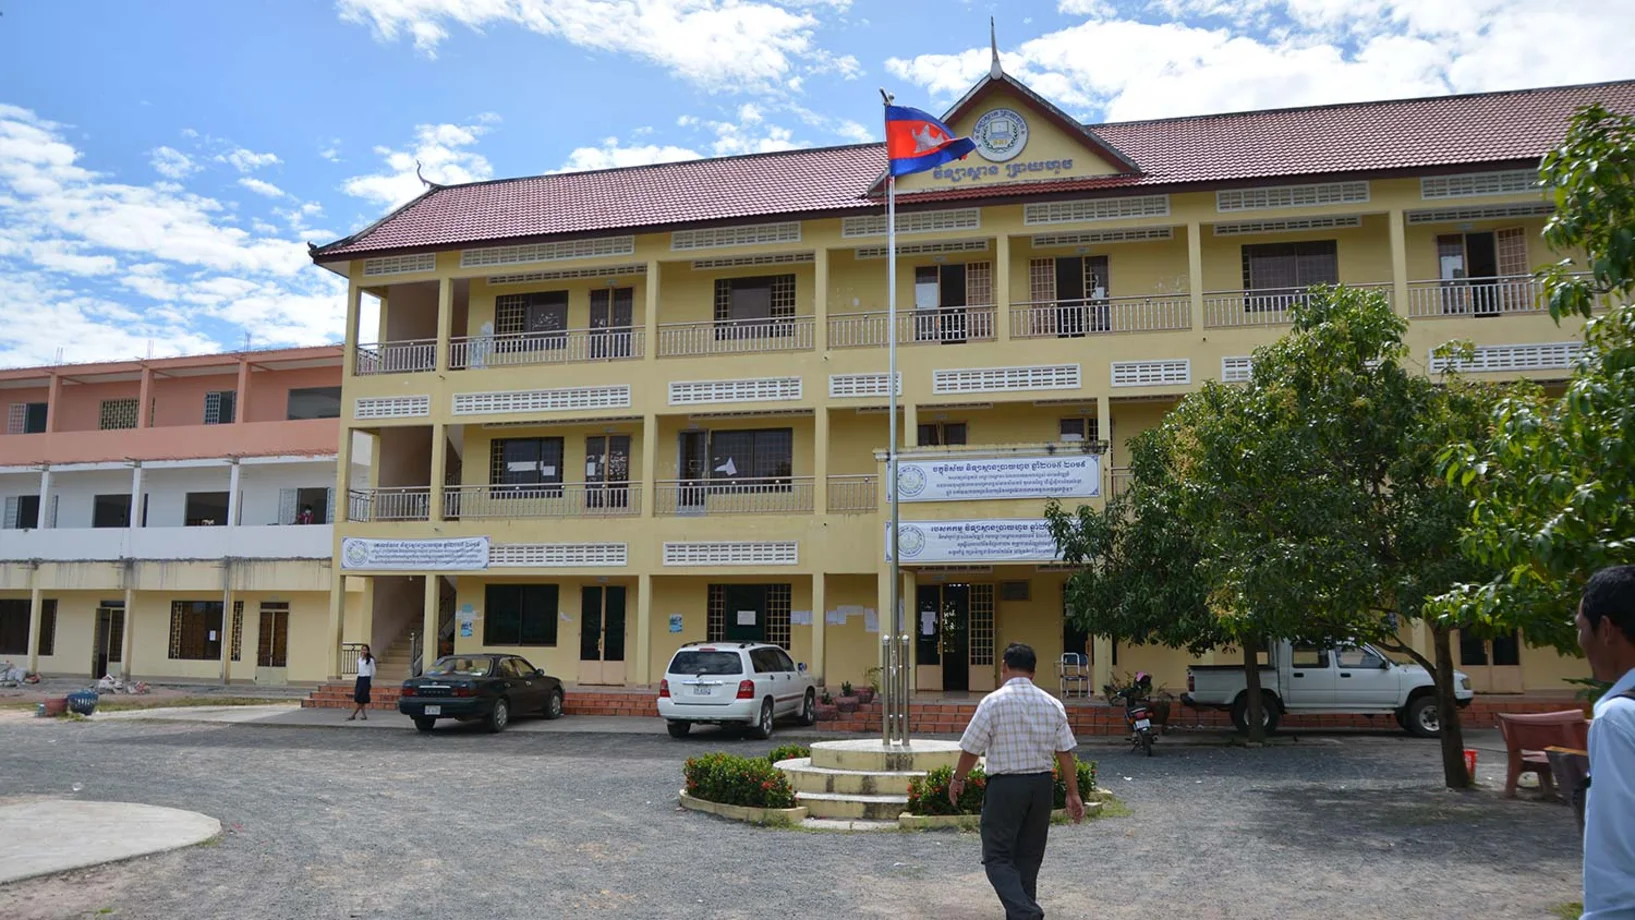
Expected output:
{"points": [[1138, 714]]}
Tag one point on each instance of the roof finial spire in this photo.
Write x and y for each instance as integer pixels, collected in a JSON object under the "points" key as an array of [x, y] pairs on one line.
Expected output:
{"points": [[994, 71]]}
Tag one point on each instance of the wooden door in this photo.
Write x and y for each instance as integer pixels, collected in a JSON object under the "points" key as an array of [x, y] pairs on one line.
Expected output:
{"points": [[1493, 664], [602, 635]]}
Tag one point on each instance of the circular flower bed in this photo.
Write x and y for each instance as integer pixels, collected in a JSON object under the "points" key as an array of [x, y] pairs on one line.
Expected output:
{"points": [[728, 779]]}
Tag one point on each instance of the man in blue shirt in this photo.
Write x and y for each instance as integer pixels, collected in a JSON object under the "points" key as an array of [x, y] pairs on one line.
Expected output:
{"points": [[1606, 632]]}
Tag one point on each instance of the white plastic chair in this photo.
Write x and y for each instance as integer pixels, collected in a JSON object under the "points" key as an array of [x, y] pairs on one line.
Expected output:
{"points": [[1073, 673]]}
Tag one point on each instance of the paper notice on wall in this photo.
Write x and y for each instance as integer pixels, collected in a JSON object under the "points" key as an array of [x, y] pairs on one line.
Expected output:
{"points": [[835, 618], [212, 635], [675, 622], [928, 622], [521, 466], [800, 618], [871, 620], [746, 617], [547, 470], [847, 611], [564, 615], [590, 470]]}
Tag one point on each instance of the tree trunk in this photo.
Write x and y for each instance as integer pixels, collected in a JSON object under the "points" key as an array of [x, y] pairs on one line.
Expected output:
{"points": [[1447, 711], [1251, 681]]}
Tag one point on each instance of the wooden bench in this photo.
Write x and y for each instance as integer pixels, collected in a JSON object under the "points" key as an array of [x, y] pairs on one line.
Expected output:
{"points": [[1527, 736]]}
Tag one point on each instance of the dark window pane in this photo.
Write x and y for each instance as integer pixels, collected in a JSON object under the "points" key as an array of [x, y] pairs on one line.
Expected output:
{"points": [[714, 663], [206, 509], [1507, 650], [34, 418], [14, 627], [1472, 648], [28, 512], [539, 615], [315, 402], [111, 511], [953, 434], [502, 621]]}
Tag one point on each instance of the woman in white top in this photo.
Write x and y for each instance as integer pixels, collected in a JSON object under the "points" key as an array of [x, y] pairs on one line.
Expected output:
{"points": [[360, 693]]}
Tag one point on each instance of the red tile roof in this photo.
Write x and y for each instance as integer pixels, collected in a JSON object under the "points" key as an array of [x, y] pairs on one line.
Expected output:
{"points": [[1335, 139]]}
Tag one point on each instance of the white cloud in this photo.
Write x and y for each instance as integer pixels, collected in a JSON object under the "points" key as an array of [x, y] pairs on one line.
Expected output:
{"points": [[262, 188], [611, 155], [246, 161], [172, 163], [443, 157], [854, 132], [719, 45], [1307, 52]]}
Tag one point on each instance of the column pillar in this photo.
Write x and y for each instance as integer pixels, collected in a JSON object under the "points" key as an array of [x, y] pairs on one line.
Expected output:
{"points": [[354, 308], [820, 460], [445, 321], [241, 393], [1104, 432], [820, 603], [439, 457], [1399, 262], [46, 517], [650, 312], [428, 620], [905, 593], [128, 641], [337, 610], [1101, 662], [1195, 273], [35, 608], [1002, 288], [233, 505], [342, 511], [642, 673], [911, 424], [226, 620], [144, 401], [53, 400], [820, 300], [136, 494], [650, 451]]}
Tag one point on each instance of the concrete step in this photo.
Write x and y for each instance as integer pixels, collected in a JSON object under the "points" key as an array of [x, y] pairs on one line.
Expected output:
{"points": [[805, 777], [837, 806], [874, 756]]}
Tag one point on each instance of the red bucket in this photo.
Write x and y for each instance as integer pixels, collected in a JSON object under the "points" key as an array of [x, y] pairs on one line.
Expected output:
{"points": [[1470, 761]]}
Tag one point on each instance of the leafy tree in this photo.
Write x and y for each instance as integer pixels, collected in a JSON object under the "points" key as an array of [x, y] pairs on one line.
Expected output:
{"points": [[1552, 488]]}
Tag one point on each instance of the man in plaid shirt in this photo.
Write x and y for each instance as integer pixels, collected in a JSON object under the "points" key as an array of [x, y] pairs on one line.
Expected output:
{"points": [[1022, 730]]}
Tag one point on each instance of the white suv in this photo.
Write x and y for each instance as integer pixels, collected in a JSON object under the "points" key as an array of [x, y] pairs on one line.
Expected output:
{"points": [[742, 683]]}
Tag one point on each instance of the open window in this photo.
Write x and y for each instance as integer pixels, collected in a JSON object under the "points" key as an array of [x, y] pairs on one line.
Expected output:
{"points": [[206, 509], [1483, 274], [942, 434], [1069, 296]]}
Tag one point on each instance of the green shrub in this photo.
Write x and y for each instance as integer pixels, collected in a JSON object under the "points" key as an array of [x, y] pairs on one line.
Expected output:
{"points": [[789, 752], [729, 779], [928, 795]]}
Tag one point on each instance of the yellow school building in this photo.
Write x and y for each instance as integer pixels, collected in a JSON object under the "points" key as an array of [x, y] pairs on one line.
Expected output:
{"points": [[610, 412]]}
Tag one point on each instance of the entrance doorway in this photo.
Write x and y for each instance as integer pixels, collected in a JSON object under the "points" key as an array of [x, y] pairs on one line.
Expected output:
{"points": [[749, 613], [602, 634], [1493, 664], [108, 644], [953, 628], [607, 471]]}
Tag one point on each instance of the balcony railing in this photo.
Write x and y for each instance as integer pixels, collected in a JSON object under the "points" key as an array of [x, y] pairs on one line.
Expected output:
{"points": [[411, 356], [780, 495], [390, 503], [854, 493], [942, 326], [569, 346], [1266, 307], [569, 499], [1498, 296], [1071, 319], [1119, 480], [736, 336]]}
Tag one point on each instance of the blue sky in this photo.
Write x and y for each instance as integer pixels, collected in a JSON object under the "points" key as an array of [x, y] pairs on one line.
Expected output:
{"points": [[162, 164]]}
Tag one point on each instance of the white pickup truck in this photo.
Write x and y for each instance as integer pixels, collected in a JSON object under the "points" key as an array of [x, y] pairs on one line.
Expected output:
{"points": [[1343, 679]]}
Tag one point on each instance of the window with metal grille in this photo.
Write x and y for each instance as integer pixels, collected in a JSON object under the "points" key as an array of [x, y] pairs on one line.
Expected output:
{"points": [[942, 434], [538, 318], [273, 641], [195, 630], [981, 625], [752, 306], [773, 610], [526, 466], [715, 625], [22, 512], [777, 615], [757, 459], [117, 414], [26, 418], [314, 402], [1287, 268], [219, 406], [1068, 295], [520, 615], [1081, 428], [238, 630]]}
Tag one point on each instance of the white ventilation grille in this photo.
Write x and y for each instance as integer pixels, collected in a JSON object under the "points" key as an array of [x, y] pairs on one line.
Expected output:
{"points": [[757, 389], [1006, 379], [1091, 237], [557, 555], [1473, 185], [850, 385], [1286, 226], [741, 235], [1495, 212], [1151, 373], [786, 258], [564, 399], [391, 407], [569, 274], [1237, 370], [913, 222], [400, 265], [920, 249], [781, 552], [549, 252], [1072, 212], [1291, 196], [1543, 356]]}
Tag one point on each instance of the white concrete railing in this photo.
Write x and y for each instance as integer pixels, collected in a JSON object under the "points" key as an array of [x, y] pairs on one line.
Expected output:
{"points": [[779, 495], [1051, 319], [569, 346], [1270, 307], [944, 325], [389, 503], [412, 356], [570, 499], [736, 336], [104, 544], [854, 493]]}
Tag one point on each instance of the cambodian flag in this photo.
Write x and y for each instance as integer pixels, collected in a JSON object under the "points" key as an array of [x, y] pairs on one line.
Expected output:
{"points": [[916, 142]]}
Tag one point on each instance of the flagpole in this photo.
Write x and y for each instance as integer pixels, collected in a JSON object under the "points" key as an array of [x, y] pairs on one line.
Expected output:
{"points": [[895, 709]]}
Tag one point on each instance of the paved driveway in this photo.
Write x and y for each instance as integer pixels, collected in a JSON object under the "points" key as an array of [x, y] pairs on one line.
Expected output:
{"points": [[392, 824]]}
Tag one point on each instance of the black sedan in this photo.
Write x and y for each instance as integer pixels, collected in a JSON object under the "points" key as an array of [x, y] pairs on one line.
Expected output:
{"points": [[492, 688]]}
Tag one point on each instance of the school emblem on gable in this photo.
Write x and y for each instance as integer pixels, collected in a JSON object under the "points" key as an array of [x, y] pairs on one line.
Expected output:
{"points": [[1000, 135]]}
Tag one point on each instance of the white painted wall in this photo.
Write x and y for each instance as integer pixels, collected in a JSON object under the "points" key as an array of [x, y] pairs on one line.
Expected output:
{"points": [[168, 543]]}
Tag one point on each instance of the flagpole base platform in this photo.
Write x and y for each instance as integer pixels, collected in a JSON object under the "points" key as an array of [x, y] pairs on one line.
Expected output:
{"points": [[864, 779]]}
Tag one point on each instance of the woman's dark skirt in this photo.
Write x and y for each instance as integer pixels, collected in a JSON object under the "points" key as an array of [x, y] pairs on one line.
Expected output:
{"points": [[360, 694]]}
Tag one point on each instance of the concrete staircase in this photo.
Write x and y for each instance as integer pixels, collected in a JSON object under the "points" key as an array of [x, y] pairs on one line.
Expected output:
{"points": [[392, 666], [862, 782]]}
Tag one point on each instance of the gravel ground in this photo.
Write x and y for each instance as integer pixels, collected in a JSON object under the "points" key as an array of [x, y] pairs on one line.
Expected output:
{"points": [[325, 823]]}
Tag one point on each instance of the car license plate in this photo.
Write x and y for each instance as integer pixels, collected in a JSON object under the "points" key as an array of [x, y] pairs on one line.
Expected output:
{"points": [[434, 710], [701, 691], [1143, 724]]}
